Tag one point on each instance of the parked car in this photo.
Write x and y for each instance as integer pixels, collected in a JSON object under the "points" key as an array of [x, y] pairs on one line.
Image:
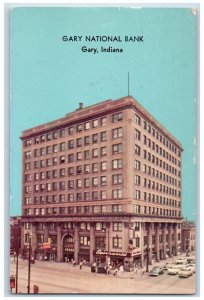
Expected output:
{"points": [[185, 272], [192, 266], [156, 271], [181, 261], [190, 259], [173, 269]]}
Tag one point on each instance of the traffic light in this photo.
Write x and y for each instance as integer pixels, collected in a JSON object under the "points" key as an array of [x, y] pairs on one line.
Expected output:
{"points": [[35, 289]]}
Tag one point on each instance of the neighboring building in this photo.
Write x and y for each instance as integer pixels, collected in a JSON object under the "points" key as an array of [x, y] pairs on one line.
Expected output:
{"points": [[104, 182], [15, 234], [188, 236]]}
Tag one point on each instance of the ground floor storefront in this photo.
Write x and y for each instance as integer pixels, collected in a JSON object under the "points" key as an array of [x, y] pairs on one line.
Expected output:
{"points": [[115, 242]]}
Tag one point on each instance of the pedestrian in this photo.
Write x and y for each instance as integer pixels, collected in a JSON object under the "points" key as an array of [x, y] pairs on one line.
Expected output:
{"points": [[142, 270], [80, 265], [136, 269], [73, 263]]}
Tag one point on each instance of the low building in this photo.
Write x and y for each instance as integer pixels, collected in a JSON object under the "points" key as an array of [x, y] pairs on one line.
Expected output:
{"points": [[188, 236], [15, 234]]}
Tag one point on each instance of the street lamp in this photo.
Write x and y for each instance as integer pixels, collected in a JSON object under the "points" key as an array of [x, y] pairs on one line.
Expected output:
{"points": [[29, 262]]}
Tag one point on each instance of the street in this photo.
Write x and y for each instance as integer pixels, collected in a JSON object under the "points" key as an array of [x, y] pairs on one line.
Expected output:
{"points": [[63, 278]]}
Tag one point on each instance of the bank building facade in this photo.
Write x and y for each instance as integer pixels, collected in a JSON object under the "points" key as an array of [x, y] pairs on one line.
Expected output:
{"points": [[102, 183]]}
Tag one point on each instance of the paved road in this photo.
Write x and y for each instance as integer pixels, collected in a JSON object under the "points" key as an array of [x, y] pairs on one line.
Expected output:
{"points": [[61, 278]]}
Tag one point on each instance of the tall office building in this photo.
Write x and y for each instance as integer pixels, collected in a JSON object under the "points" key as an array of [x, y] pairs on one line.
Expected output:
{"points": [[102, 183]]}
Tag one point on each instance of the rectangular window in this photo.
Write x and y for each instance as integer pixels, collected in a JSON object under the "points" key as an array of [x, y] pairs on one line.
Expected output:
{"points": [[79, 128], [86, 196], [86, 169], [79, 142], [71, 171], [137, 165], [117, 226], [70, 144], [87, 154], [117, 179], [137, 149], [95, 123], [137, 195], [103, 166], [86, 140], [70, 130], [95, 181], [103, 180], [103, 121], [87, 126], [137, 134], [94, 167], [117, 148], [137, 179], [117, 133], [103, 151], [117, 242], [103, 136], [95, 138], [117, 194], [95, 195], [117, 208], [117, 117], [103, 195], [137, 119], [117, 164], [95, 152], [70, 184], [79, 183]]}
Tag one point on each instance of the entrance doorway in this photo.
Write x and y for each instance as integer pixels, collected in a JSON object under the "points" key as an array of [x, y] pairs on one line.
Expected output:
{"points": [[68, 248]]}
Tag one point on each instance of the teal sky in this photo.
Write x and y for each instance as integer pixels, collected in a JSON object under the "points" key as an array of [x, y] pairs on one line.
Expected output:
{"points": [[50, 77]]}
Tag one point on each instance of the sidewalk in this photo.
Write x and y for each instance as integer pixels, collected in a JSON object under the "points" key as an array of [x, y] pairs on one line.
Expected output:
{"points": [[87, 269]]}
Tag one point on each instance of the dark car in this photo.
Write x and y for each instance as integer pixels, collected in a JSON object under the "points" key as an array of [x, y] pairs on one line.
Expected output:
{"points": [[156, 271], [101, 268]]}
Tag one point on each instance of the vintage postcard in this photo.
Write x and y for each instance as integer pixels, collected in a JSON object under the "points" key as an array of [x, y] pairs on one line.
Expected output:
{"points": [[103, 150]]}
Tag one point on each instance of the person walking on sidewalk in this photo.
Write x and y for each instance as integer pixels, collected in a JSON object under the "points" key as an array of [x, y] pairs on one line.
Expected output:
{"points": [[80, 265]]}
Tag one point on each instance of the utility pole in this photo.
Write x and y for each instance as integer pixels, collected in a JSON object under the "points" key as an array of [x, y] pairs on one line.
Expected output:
{"points": [[29, 263]]}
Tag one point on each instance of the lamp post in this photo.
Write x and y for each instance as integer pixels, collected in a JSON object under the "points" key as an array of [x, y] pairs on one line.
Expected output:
{"points": [[29, 262]]}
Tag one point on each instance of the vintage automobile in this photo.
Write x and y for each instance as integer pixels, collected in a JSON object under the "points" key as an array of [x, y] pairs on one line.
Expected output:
{"points": [[193, 266], [185, 272], [174, 269], [156, 271], [190, 259], [182, 261]]}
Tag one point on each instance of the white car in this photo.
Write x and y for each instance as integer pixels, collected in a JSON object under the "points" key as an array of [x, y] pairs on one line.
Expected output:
{"points": [[192, 266], [173, 269], [181, 261], [185, 272]]}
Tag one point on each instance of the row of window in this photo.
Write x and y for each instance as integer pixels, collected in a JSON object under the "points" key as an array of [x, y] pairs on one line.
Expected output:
{"points": [[154, 159], [116, 163], [101, 226], [86, 169], [100, 195], [86, 196], [96, 209], [156, 134], [73, 129]]}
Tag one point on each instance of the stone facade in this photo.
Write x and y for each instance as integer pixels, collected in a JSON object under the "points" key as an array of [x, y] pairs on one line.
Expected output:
{"points": [[102, 183]]}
